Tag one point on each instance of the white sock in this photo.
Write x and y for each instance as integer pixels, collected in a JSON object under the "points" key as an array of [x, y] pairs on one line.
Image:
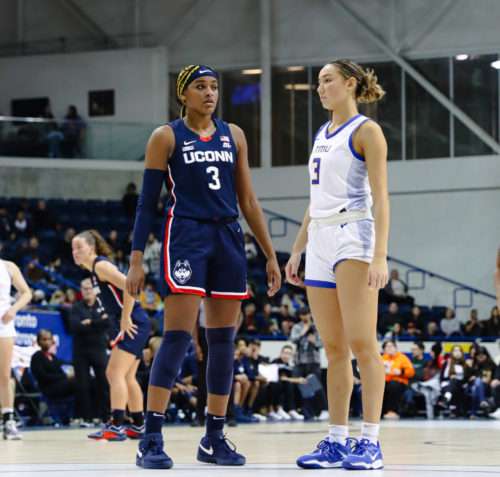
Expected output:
{"points": [[370, 431], [338, 434]]}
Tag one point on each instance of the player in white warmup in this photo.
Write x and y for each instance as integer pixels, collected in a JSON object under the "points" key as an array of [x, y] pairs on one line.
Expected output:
{"points": [[346, 260], [10, 275]]}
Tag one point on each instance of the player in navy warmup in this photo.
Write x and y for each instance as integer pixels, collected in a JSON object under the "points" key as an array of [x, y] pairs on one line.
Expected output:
{"points": [[132, 322], [203, 162]]}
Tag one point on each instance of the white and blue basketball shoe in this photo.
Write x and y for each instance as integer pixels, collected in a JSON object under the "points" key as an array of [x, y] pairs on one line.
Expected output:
{"points": [[327, 455], [363, 456]]}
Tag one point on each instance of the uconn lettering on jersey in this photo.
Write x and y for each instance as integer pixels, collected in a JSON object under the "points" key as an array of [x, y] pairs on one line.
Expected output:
{"points": [[208, 156]]}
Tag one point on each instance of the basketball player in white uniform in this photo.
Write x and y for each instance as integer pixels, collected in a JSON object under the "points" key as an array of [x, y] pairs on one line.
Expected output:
{"points": [[346, 259], [10, 275]]}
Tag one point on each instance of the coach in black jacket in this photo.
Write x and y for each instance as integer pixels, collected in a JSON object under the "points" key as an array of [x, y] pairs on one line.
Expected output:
{"points": [[89, 325]]}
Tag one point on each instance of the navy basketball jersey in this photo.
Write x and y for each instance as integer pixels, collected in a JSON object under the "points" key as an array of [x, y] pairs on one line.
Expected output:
{"points": [[110, 297], [200, 173]]}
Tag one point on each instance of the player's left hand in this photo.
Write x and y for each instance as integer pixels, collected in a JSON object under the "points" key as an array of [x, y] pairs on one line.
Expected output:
{"points": [[127, 326], [9, 315], [378, 274], [273, 276]]}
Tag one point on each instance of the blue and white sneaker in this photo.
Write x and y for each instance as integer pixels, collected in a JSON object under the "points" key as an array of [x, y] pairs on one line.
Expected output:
{"points": [[214, 449], [150, 454], [363, 456], [109, 432], [327, 455]]}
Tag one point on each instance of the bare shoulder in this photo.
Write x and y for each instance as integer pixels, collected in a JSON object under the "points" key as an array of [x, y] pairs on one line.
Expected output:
{"points": [[369, 129], [236, 131], [11, 266], [163, 134], [160, 147]]}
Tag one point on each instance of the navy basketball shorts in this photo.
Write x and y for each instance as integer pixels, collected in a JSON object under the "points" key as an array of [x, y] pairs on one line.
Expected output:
{"points": [[136, 345], [203, 258]]}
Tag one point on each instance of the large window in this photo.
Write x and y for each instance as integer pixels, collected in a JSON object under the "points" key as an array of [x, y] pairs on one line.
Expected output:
{"points": [[240, 95], [290, 100], [427, 120], [476, 93]]}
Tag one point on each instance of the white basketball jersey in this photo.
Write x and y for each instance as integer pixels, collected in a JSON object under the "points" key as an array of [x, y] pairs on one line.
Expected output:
{"points": [[5, 287], [339, 179]]}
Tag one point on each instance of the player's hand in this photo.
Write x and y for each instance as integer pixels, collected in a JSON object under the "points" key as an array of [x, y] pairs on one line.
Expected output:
{"points": [[273, 276], [135, 280], [9, 315], [127, 326], [378, 274], [292, 268]]}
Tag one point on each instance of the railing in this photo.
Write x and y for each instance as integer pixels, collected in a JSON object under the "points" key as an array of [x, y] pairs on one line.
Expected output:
{"points": [[60, 279], [58, 138], [459, 288]]}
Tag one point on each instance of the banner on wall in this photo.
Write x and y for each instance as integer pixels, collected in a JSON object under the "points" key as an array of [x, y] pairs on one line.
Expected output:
{"points": [[29, 323]]}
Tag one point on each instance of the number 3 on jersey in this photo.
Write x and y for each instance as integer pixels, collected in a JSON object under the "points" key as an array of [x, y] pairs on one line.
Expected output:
{"points": [[215, 185], [315, 177]]}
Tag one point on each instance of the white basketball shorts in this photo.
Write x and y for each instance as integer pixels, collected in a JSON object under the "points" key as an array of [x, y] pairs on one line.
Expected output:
{"points": [[331, 244], [7, 330]]}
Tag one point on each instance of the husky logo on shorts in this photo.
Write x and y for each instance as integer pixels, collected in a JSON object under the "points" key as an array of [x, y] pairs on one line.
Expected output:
{"points": [[182, 271]]}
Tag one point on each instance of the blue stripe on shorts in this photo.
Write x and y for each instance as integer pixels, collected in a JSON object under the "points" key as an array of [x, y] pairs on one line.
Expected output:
{"points": [[320, 283]]}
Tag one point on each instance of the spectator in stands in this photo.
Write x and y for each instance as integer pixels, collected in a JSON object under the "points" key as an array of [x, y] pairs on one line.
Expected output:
{"points": [[112, 239], [22, 226], [34, 273], [474, 327], [482, 370], [150, 299], [454, 377], [46, 368], [121, 261], [285, 320], [73, 128], [432, 331], [258, 382], [437, 361], [90, 327], [127, 244], [398, 371], [417, 319], [293, 300], [495, 391], [389, 318], [396, 332], [241, 381], [39, 298], [419, 364], [288, 392], [129, 200], [396, 290], [42, 218], [493, 324], [253, 323], [36, 250], [250, 249], [55, 140], [71, 298], [57, 298], [5, 223], [308, 343], [151, 258], [65, 250], [450, 326]]}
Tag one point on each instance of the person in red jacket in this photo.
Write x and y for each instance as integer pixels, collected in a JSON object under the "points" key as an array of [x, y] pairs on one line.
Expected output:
{"points": [[398, 370]]}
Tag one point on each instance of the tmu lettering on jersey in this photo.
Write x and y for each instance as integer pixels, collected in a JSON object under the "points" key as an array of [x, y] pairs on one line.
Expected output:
{"points": [[208, 156], [322, 148]]}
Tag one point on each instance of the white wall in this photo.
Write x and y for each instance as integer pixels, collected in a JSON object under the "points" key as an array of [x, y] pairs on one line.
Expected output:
{"points": [[139, 78]]}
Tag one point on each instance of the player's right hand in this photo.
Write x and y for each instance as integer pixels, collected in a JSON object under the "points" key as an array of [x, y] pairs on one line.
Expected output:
{"points": [[273, 276], [292, 268], [135, 280]]}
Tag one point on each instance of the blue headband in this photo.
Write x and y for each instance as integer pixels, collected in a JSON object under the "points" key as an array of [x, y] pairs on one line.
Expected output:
{"points": [[189, 74]]}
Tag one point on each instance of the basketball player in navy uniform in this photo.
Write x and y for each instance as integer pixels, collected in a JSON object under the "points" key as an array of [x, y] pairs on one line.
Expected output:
{"points": [[203, 162], [132, 323], [346, 259]]}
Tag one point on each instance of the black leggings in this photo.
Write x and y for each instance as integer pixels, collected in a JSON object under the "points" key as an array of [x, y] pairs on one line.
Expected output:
{"points": [[393, 396]]}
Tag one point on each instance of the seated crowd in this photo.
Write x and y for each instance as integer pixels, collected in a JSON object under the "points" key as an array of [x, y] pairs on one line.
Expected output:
{"points": [[263, 388]]}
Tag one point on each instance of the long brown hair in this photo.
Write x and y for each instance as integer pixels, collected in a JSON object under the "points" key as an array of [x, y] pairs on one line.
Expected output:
{"points": [[94, 238], [367, 88], [454, 361]]}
